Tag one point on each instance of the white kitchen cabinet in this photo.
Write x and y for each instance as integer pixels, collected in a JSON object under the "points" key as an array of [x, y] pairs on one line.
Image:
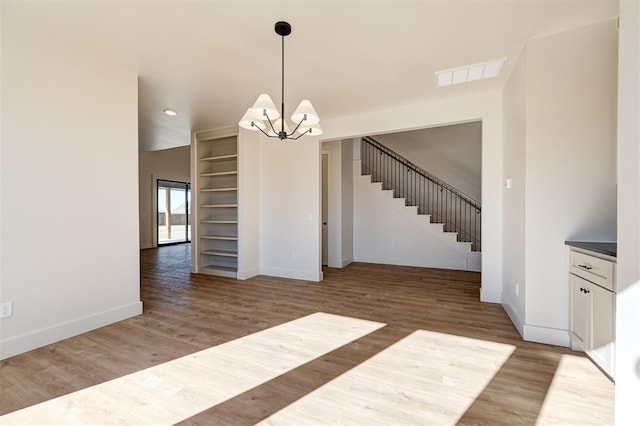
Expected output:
{"points": [[602, 329], [592, 322], [580, 313]]}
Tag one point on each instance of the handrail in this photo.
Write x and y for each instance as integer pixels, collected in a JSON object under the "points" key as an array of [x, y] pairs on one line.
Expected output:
{"points": [[445, 204], [421, 171]]}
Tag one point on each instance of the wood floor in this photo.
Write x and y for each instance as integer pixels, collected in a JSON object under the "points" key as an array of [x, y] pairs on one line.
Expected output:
{"points": [[437, 336]]}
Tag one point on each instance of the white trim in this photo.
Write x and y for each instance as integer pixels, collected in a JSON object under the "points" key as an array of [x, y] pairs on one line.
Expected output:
{"points": [[490, 296], [154, 211], [293, 274], [248, 273], [346, 262], [195, 214], [223, 132], [549, 336], [331, 261], [417, 262], [515, 318], [36, 339]]}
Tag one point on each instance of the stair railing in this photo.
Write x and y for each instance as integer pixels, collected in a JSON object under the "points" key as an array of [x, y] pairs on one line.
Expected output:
{"points": [[447, 205]]}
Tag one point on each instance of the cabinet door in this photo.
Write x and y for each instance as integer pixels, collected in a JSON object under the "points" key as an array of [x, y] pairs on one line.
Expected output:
{"points": [[602, 331], [580, 313]]}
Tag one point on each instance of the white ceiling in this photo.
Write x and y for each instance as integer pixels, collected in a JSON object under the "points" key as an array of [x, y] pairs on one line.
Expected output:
{"points": [[209, 60]]}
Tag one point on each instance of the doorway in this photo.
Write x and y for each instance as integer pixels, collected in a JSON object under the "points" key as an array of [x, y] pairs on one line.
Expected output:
{"points": [[173, 212]]}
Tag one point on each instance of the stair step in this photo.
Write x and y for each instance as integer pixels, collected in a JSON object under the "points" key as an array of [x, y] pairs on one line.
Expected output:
{"points": [[425, 218]]}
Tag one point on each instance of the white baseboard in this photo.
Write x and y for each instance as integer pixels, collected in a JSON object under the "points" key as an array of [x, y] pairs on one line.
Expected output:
{"points": [[248, 273], [549, 336], [340, 263], [291, 273], [459, 265], [515, 318], [490, 296], [346, 262], [36, 339]]}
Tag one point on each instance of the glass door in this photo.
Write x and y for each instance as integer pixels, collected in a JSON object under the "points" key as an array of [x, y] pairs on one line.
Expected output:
{"points": [[174, 211]]}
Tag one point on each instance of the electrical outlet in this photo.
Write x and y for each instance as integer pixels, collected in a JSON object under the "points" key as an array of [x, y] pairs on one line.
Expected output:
{"points": [[293, 256], [6, 309]]}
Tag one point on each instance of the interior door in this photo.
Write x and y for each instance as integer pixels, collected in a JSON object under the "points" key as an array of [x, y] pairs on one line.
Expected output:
{"points": [[325, 209]]}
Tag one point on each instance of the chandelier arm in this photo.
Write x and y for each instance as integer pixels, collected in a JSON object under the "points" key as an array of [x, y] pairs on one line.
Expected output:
{"points": [[294, 130], [300, 135], [270, 124], [263, 132]]}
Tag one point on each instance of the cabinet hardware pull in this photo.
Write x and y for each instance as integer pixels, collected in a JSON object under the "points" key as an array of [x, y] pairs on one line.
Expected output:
{"points": [[587, 267]]}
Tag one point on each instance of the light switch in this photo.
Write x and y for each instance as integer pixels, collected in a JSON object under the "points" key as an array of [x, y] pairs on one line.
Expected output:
{"points": [[507, 183]]}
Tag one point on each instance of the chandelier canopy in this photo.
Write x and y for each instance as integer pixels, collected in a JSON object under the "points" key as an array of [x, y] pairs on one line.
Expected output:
{"points": [[264, 114]]}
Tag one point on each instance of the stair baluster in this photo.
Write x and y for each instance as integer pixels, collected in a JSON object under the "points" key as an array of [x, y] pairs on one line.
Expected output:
{"points": [[444, 203]]}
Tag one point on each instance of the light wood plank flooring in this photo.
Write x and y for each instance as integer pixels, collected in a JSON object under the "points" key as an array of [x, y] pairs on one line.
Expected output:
{"points": [[435, 328]]}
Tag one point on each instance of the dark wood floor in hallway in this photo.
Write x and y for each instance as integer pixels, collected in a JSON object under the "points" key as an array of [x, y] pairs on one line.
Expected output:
{"points": [[185, 313]]}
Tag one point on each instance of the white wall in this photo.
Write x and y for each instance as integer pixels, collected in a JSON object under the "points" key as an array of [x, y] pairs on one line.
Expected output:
{"points": [[570, 164], [485, 106], [514, 168], [290, 189], [248, 204], [388, 232], [628, 267], [168, 164], [451, 153], [69, 205]]}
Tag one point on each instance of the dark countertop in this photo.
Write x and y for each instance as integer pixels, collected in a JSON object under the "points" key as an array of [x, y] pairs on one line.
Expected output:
{"points": [[608, 248]]}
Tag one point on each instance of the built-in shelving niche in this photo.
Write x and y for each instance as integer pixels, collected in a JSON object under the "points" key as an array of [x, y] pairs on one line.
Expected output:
{"points": [[217, 198]]}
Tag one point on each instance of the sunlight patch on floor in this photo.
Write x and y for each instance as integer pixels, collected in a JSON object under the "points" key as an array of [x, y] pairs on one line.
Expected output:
{"points": [[425, 378], [579, 394], [179, 389]]}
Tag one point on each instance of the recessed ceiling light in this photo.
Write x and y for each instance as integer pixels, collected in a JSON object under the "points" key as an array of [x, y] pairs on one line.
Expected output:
{"points": [[171, 112], [469, 73]]}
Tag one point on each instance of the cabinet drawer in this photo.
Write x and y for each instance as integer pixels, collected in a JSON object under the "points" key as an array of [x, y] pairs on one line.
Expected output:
{"points": [[593, 269]]}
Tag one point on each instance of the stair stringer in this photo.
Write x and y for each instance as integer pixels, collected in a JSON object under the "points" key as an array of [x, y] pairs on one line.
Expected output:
{"points": [[386, 231]]}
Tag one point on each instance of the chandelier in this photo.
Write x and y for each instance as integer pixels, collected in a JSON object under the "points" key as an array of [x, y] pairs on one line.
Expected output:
{"points": [[264, 113]]}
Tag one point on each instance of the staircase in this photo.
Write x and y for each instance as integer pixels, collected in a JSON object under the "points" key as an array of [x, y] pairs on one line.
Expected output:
{"points": [[458, 213]]}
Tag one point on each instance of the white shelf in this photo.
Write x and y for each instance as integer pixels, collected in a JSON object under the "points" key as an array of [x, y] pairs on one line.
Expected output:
{"points": [[225, 253], [219, 237], [219, 157], [220, 222], [218, 206], [221, 271], [218, 189], [234, 172]]}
